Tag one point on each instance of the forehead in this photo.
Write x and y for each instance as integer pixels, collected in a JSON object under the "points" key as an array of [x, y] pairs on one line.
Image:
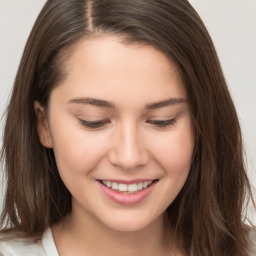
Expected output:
{"points": [[104, 65]]}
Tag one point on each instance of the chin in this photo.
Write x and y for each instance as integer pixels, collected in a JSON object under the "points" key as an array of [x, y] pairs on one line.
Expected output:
{"points": [[135, 223]]}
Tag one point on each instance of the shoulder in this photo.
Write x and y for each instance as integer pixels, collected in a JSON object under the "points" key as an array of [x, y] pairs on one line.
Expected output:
{"points": [[19, 246], [11, 245]]}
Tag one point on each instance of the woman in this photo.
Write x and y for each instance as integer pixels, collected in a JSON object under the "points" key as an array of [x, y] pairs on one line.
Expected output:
{"points": [[121, 132]]}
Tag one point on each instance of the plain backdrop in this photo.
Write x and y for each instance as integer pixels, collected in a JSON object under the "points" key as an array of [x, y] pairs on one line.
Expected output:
{"points": [[231, 23]]}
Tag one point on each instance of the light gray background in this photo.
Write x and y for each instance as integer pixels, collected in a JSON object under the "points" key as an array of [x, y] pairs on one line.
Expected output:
{"points": [[231, 23]]}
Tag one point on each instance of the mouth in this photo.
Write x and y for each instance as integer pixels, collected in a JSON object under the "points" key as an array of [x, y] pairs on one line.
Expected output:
{"points": [[125, 188]]}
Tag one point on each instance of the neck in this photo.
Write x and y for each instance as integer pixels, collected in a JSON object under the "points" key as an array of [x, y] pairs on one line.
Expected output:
{"points": [[75, 236]]}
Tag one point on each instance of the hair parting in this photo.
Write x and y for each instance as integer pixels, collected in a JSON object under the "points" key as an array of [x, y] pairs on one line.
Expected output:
{"points": [[206, 218]]}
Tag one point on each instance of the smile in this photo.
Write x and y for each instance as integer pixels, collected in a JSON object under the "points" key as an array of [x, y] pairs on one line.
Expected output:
{"points": [[127, 188], [127, 192]]}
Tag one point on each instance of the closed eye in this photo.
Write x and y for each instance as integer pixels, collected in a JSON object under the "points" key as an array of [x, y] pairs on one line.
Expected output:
{"points": [[94, 124], [162, 123]]}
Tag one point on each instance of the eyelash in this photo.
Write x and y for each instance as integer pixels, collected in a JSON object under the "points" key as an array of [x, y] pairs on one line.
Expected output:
{"points": [[101, 123], [162, 123], [94, 124]]}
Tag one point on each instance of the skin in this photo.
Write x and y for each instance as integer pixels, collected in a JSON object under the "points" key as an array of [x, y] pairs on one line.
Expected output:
{"points": [[128, 146]]}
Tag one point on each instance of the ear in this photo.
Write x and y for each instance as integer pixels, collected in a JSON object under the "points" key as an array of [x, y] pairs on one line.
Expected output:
{"points": [[42, 125]]}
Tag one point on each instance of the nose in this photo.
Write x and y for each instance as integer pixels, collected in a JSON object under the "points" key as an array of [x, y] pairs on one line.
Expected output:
{"points": [[128, 150]]}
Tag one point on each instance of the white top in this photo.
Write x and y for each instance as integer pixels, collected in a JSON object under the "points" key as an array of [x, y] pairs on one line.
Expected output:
{"points": [[46, 247], [23, 247]]}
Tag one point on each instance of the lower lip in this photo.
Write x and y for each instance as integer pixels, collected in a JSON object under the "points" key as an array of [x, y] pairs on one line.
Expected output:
{"points": [[127, 199]]}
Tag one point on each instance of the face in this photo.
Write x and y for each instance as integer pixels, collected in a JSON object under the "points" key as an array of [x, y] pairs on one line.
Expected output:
{"points": [[121, 132]]}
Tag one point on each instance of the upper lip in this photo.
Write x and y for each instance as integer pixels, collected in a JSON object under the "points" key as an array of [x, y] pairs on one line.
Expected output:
{"points": [[127, 181]]}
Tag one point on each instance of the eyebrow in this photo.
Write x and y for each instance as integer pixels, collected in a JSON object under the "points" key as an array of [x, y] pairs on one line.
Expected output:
{"points": [[108, 104], [94, 102], [165, 103]]}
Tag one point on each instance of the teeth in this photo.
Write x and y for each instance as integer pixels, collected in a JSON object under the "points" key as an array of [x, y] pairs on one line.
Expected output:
{"points": [[145, 184], [140, 186], [108, 184], [132, 187], [129, 188], [122, 187], [114, 185]]}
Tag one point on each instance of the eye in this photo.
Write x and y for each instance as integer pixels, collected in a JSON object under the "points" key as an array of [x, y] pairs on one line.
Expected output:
{"points": [[162, 123], [97, 124]]}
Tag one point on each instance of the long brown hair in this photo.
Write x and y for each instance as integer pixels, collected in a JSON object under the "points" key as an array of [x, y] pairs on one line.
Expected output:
{"points": [[207, 214]]}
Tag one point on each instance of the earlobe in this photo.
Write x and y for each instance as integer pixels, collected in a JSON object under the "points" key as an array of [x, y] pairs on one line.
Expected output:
{"points": [[42, 125]]}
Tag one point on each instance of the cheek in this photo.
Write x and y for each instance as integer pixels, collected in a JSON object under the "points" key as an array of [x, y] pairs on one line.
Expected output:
{"points": [[77, 151], [174, 152]]}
